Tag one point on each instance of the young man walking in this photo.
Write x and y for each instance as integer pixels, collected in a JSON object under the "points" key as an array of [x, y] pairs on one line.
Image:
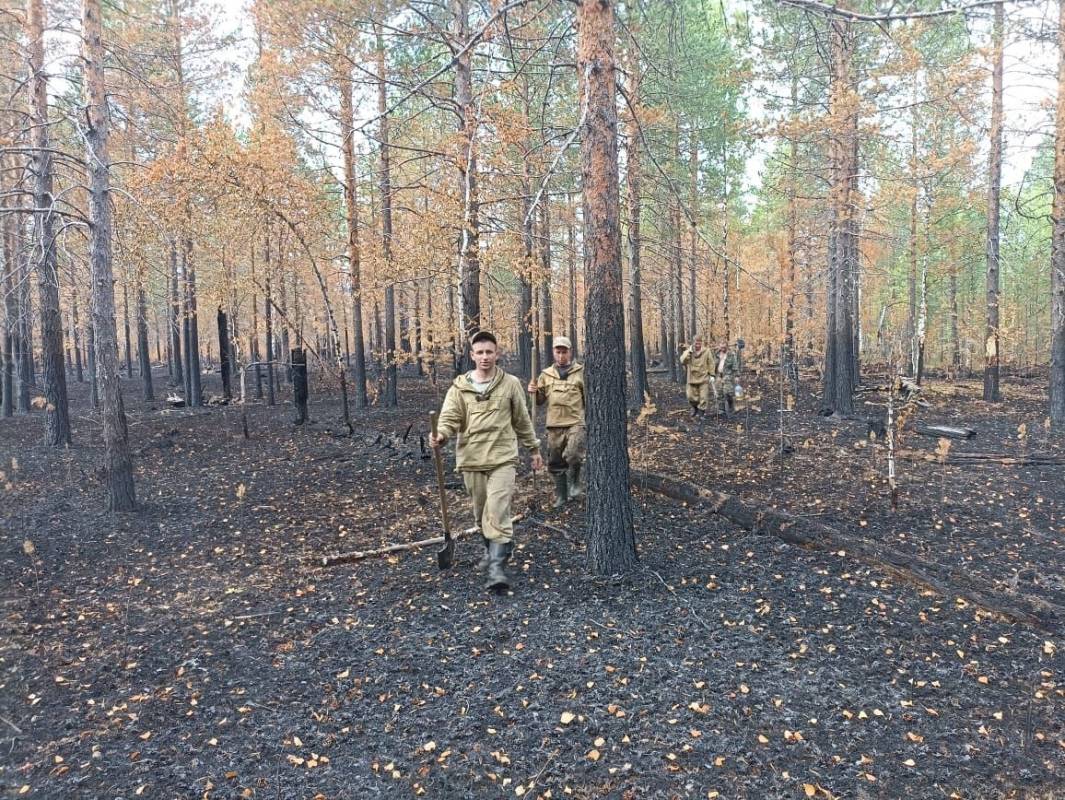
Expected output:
{"points": [[700, 380], [561, 387], [486, 409]]}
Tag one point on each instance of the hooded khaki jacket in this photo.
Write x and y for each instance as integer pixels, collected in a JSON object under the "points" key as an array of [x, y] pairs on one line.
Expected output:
{"points": [[489, 425], [700, 367], [564, 398]]}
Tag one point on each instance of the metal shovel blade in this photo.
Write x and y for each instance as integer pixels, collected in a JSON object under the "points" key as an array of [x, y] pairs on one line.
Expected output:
{"points": [[445, 557]]}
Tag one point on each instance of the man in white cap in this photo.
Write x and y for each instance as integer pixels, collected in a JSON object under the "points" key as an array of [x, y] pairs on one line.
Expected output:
{"points": [[561, 387]]}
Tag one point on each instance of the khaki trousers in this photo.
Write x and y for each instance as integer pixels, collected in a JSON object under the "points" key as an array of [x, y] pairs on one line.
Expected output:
{"points": [[699, 393], [491, 493], [565, 448]]}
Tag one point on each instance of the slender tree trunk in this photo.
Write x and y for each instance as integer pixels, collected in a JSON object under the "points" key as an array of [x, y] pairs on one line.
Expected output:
{"points": [[186, 333], [1057, 252], [75, 324], [94, 382], [268, 318], [693, 228], [676, 255], [547, 323], [571, 263], [144, 353], [391, 395], [790, 365], [57, 413], [639, 391], [8, 276], [27, 364], [911, 277], [955, 341], [675, 373], [223, 354], [611, 540], [994, 188], [839, 375], [128, 331], [526, 341], [351, 205], [121, 494], [726, 266], [192, 345], [176, 319], [418, 329], [469, 258]]}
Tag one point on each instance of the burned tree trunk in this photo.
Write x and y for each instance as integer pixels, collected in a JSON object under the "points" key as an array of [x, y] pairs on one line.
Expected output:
{"points": [[1057, 252], [351, 206], [144, 355], [57, 413], [127, 329], [391, 392], [75, 325], [639, 391], [526, 339], [177, 373], [299, 383], [611, 540], [223, 354], [268, 314], [8, 278], [469, 262], [994, 191], [839, 377], [547, 323], [121, 494]]}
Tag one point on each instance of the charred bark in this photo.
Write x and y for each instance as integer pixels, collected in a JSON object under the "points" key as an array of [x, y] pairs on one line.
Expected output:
{"points": [[351, 205], [611, 539], [390, 396], [1057, 253], [121, 494], [994, 190], [57, 412]]}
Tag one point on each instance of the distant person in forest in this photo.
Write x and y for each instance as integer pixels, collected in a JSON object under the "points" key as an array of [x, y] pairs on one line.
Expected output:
{"points": [[486, 409], [561, 387], [698, 361], [726, 369]]}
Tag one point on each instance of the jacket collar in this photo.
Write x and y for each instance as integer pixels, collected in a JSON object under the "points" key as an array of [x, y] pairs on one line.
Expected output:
{"points": [[574, 368], [462, 383]]}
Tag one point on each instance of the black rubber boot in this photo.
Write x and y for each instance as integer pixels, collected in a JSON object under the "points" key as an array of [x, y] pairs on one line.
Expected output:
{"points": [[730, 406], [561, 489], [498, 556], [695, 408], [482, 565], [575, 488]]}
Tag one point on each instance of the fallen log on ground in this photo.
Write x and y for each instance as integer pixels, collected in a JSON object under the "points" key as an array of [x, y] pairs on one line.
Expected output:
{"points": [[945, 431], [815, 535], [1023, 460], [359, 555]]}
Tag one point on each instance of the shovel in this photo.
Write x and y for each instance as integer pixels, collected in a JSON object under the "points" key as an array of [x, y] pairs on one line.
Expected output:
{"points": [[445, 557]]}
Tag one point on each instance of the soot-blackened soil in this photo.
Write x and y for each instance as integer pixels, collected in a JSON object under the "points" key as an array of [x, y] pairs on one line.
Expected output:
{"points": [[192, 649]]}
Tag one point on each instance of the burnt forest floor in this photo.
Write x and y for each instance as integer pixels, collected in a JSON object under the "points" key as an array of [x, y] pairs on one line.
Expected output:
{"points": [[193, 650]]}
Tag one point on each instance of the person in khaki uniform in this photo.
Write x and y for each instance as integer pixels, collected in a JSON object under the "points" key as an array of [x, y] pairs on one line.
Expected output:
{"points": [[561, 387], [699, 362], [726, 370], [485, 408]]}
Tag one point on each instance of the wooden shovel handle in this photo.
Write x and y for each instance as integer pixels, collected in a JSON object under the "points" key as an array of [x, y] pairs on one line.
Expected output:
{"points": [[438, 461]]}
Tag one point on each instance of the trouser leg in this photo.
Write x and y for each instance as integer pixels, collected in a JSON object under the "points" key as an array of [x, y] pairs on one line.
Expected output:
{"points": [[704, 396], [691, 391], [574, 455], [496, 515]]}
